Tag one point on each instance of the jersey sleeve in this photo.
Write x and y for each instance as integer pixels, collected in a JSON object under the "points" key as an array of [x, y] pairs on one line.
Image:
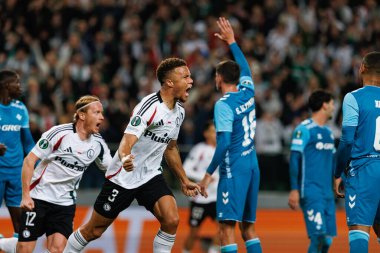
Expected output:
{"points": [[25, 117], [245, 72], [223, 117], [104, 158], [142, 115], [350, 110], [300, 138], [191, 162], [49, 141]]}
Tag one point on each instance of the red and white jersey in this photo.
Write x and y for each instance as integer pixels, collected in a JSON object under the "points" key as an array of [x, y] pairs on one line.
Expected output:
{"points": [[64, 158], [155, 125], [195, 166]]}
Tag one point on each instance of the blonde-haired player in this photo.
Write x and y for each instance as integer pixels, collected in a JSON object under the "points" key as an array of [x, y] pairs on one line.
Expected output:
{"points": [[48, 191]]}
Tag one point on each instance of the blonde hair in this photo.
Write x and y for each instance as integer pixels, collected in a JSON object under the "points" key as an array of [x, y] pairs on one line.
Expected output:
{"points": [[81, 105]]}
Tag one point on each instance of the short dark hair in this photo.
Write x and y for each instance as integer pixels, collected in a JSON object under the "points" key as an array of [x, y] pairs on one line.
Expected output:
{"points": [[7, 76], [207, 125], [317, 98], [371, 62], [166, 66], [229, 70]]}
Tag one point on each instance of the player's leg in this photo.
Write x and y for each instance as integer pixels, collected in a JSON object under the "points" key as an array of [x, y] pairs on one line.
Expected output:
{"points": [[330, 222], [111, 200], [197, 213], [156, 197], [215, 247], [313, 208], [58, 226], [247, 227], [13, 193], [227, 236], [32, 226], [361, 203], [376, 224]]}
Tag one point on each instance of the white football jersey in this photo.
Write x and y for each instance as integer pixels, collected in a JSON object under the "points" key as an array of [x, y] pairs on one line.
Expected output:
{"points": [[196, 164], [64, 158], [155, 125]]}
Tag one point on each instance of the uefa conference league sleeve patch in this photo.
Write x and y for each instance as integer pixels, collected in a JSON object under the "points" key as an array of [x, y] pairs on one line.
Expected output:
{"points": [[43, 144]]}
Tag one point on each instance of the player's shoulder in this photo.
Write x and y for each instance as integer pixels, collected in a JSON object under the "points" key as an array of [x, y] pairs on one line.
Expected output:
{"points": [[305, 125], [59, 130], [148, 102], [18, 104]]}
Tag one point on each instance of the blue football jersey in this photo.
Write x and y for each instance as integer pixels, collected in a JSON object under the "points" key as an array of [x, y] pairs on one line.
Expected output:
{"points": [[361, 108], [316, 144], [235, 113], [13, 117]]}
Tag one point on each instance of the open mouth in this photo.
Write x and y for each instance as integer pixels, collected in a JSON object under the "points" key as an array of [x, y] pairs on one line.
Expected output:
{"points": [[187, 91]]}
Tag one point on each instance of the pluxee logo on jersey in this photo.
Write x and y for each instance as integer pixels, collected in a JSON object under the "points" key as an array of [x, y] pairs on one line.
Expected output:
{"points": [[10, 128], [157, 138], [74, 166]]}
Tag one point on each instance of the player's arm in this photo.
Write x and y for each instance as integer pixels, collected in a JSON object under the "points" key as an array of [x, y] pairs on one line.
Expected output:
{"points": [[104, 158], [350, 121], [294, 169], [26, 177], [26, 135], [173, 160], [27, 140], [125, 148], [300, 139], [224, 118], [3, 148], [227, 34]]}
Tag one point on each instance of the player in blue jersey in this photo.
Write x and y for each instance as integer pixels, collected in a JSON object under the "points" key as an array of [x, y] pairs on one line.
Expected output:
{"points": [[235, 154], [311, 172], [359, 156], [15, 142]]}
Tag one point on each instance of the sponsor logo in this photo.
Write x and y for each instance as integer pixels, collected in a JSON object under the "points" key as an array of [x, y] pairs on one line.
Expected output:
{"points": [[74, 166], [156, 138], [90, 153], [324, 146], [18, 116], [136, 121], [43, 144], [10, 128]]}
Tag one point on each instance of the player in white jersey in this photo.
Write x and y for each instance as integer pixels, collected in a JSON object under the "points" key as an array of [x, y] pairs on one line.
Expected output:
{"points": [[48, 191], [195, 165], [135, 172]]}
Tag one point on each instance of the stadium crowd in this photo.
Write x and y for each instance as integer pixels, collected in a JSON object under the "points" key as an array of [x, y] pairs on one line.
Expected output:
{"points": [[111, 48]]}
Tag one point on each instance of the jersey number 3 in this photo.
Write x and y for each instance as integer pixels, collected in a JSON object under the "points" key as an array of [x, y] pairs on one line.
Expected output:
{"points": [[249, 126]]}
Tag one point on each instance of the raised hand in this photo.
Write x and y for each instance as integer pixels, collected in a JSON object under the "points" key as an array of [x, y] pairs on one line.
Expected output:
{"points": [[226, 32]]}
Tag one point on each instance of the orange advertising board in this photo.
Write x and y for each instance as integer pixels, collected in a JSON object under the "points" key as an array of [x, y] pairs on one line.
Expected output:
{"points": [[134, 230]]}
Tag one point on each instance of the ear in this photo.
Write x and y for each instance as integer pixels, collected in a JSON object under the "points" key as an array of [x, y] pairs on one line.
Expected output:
{"points": [[362, 69], [169, 83], [82, 115]]}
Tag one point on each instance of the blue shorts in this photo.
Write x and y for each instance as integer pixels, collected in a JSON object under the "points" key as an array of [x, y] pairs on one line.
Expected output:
{"points": [[10, 186], [237, 197], [362, 197], [319, 215]]}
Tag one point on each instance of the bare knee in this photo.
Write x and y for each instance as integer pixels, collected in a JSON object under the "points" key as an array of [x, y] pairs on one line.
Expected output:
{"points": [[170, 222], [56, 249], [24, 248], [247, 231]]}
